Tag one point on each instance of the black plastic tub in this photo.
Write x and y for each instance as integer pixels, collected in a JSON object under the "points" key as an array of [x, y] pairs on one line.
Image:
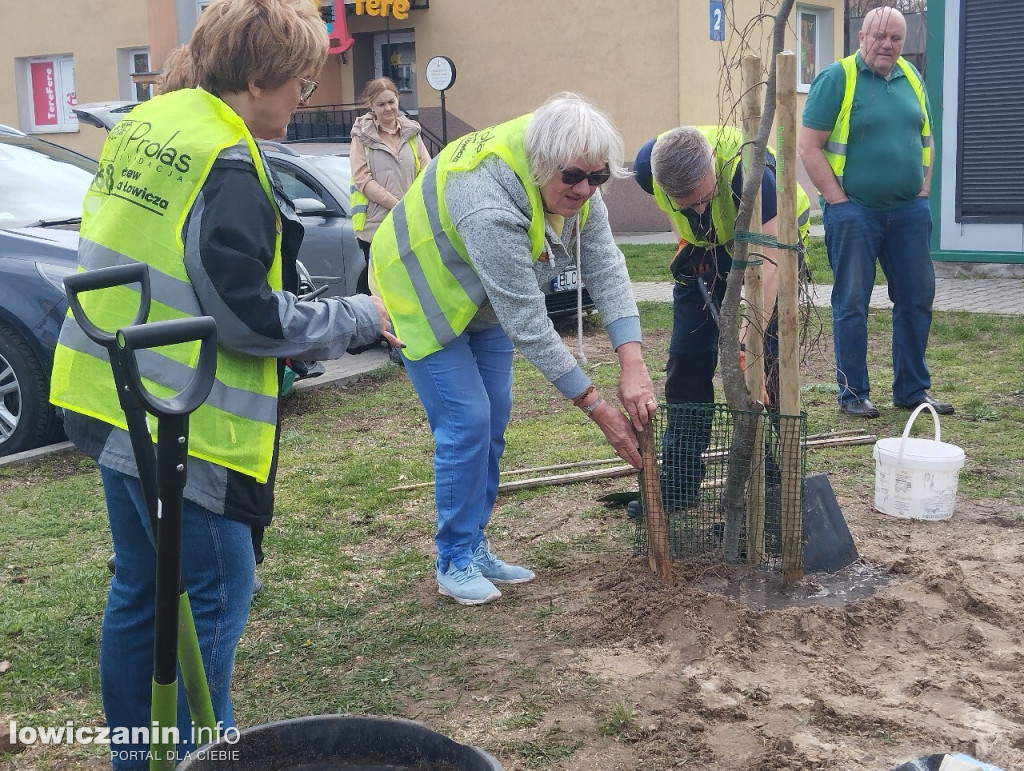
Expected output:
{"points": [[340, 743]]}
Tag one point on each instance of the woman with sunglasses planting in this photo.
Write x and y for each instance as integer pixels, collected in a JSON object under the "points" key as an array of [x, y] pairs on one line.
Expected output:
{"points": [[462, 264]]}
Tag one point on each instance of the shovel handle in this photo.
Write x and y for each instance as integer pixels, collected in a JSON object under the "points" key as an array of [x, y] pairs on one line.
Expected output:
{"points": [[160, 333], [107, 278], [134, 414]]}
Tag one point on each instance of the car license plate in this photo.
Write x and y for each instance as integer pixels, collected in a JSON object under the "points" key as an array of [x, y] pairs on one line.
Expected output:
{"points": [[565, 281]]}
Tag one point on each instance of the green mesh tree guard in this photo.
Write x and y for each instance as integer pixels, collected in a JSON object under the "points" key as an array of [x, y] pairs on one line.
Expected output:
{"points": [[695, 443]]}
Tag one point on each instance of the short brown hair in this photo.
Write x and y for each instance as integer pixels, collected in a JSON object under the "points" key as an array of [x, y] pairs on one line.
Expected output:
{"points": [[263, 41], [681, 158]]}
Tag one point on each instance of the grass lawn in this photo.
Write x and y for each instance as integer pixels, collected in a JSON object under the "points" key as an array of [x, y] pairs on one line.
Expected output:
{"points": [[649, 262], [351, 620]]}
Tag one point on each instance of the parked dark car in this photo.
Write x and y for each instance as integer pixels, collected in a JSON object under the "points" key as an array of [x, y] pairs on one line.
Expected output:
{"points": [[41, 190]]}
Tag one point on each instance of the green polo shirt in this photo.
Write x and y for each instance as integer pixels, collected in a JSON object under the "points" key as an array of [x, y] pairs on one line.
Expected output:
{"points": [[883, 153]]}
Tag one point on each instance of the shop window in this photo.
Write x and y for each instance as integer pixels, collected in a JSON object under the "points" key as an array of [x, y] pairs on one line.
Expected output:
{"points": [[138, 61], [813, 43], [48, 93]]}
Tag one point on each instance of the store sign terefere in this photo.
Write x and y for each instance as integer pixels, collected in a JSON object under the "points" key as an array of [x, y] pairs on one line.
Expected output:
{"points": [[397, 8]]}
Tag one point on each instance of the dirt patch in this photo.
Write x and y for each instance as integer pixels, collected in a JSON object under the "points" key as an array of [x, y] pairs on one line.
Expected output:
{"points": [[930, 662]]}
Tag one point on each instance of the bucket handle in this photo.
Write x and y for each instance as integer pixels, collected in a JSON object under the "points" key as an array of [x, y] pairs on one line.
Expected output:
{"points": [[910, 422]]}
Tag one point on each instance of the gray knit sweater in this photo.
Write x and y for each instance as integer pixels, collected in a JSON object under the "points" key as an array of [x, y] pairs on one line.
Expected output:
{"points": [[490, 209]]}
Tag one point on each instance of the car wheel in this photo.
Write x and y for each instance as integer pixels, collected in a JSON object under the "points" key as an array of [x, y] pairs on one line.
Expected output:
{"points": [[27, 419]]}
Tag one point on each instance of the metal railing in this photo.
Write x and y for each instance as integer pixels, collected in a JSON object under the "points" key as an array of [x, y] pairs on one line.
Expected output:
{"points": [[334, 121], [323, 121], [431, 140]]}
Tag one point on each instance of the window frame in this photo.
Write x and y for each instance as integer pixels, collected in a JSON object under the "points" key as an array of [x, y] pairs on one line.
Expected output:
{"points": [[803, 84], [139, 92]]}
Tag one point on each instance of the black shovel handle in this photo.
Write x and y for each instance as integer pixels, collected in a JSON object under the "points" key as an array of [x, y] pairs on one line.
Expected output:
{"points": [[134, 412], [172, 461], [107, 278], [160, 333]]}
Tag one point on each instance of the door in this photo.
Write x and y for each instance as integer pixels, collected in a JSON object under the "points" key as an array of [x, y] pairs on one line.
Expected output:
{"points": [[394, 56]]}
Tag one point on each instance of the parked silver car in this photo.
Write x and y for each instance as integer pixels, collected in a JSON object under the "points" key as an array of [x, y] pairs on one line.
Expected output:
{"points": [[316, 178]]}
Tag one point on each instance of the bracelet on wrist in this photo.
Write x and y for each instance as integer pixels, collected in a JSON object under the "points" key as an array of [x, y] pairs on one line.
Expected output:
{"points": [[578, 400], [589, 409]]}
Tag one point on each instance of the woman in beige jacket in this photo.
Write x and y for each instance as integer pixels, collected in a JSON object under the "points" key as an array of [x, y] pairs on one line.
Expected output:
{"points": [[387, 153]]}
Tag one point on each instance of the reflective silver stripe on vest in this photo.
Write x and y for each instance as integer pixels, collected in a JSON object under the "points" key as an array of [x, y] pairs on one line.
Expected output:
{"points": [[450, 259], [354, 208], [836, 148], [175, 375], [165, 289], [234, 401]]}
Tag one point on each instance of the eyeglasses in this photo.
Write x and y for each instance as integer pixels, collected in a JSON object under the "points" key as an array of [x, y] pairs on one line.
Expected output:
{"points": [[701, 200], [307, 89], [594, 178]]}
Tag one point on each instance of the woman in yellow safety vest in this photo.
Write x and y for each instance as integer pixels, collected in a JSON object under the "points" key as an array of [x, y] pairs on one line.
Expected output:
{"points": [[387, 153], [501, 217], [183, 188]]}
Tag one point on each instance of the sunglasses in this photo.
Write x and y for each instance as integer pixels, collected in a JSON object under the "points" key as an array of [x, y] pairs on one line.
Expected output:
{"points": [[594, 178], [307, 89]]}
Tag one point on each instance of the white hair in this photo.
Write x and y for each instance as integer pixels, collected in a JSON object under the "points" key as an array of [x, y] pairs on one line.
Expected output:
{"points": [[567, 129]]}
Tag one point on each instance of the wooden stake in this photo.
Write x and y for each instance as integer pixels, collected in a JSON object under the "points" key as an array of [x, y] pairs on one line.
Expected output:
{"points": [[789, 329], [658, 556]]}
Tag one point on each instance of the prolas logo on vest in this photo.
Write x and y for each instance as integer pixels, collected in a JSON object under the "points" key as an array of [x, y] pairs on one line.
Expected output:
{"points": [[397, 8]]}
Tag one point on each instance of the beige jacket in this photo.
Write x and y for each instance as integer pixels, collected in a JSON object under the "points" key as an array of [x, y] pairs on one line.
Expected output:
{"points": [[383, 167]]}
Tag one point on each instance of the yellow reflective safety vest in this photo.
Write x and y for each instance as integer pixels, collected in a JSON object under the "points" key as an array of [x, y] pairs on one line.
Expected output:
{"points": [[835, 145], [357, 200], [152, 168], [420, 265], [727, 144]]}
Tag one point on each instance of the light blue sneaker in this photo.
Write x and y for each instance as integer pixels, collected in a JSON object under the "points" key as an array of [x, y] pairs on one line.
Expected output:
{"points": [[466, 586], [497, 571]]}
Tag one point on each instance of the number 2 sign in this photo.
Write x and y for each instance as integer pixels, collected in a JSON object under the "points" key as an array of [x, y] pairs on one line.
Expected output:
{"points": [[717, 20]]}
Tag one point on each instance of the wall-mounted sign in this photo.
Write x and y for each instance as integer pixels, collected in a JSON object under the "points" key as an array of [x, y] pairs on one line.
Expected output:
{"points": [[717, 20], [52, 85], [338, 39], [397, 8], [440, 73]]}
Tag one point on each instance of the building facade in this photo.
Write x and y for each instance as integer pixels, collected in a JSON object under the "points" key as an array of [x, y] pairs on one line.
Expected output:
{"points": [[650, 66]]}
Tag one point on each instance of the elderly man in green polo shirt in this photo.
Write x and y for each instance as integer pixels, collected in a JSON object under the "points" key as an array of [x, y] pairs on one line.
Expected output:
{"points": [[866, 144]]}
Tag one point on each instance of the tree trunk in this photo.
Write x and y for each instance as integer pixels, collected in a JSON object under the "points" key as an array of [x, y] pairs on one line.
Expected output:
{"points": [[745, 424]]}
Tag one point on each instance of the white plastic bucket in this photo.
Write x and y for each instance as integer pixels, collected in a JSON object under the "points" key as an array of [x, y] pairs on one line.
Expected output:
{"points": [[917, 478]]}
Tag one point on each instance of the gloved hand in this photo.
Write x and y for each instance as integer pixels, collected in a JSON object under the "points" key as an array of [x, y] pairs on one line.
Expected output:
{"points": [[689, 261]]}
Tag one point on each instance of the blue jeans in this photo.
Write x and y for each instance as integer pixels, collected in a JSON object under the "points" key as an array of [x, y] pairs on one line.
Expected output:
{"points": [[854, 237], [466, 390], [692, 360], [217, 565]]}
